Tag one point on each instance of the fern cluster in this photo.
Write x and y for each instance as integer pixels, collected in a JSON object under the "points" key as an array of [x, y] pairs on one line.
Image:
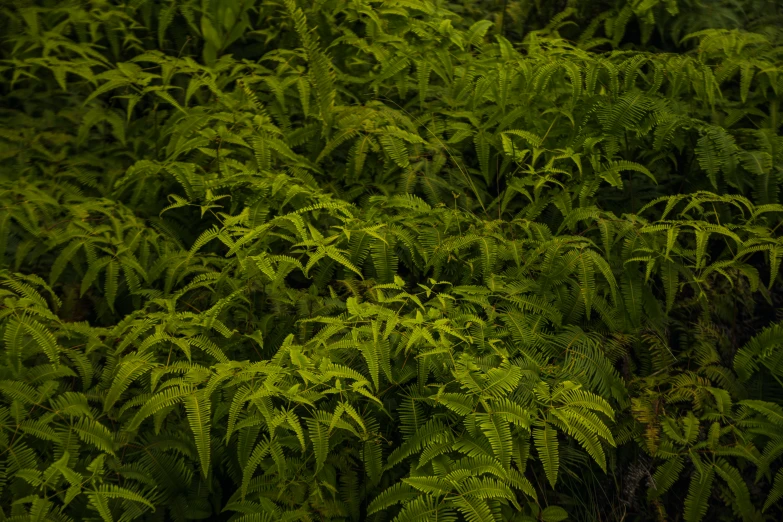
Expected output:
{"points": [[391, 260]]}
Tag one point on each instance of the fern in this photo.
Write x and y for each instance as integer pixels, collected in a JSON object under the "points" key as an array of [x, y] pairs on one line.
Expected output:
{"points": [[390, 260]]}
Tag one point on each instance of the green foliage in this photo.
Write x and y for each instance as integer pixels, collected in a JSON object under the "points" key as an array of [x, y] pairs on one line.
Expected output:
{"points": [[391, 260]]}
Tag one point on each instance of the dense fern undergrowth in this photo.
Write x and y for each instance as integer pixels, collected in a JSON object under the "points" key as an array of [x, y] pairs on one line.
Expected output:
{"points": [[391, 260]]}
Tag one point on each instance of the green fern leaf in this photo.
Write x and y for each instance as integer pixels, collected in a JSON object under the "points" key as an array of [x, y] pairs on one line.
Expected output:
{"points": [[697, 501], [198, 408], [547, 446]]}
